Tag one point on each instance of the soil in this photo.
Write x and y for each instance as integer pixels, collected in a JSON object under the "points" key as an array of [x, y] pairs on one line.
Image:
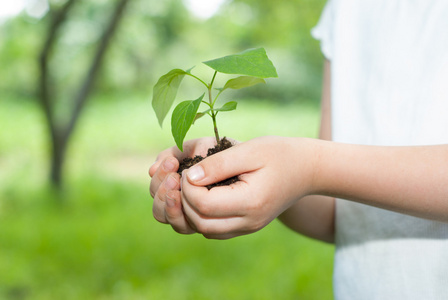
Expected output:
{"points": [[188, 162]]}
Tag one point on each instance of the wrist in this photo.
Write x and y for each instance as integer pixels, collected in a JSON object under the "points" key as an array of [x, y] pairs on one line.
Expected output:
{"points": [[331, 164], [307, 153], [317, 153]]}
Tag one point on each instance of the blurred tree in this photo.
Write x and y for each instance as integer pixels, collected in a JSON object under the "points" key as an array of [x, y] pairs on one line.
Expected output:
{"points": [[149, 39], [157, 35], [61, 130], [285, 25], [154, 37]]}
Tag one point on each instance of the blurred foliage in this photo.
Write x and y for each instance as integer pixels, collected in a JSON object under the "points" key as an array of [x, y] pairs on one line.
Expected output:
{"points": [[101, 245], [102, 242], [157, 35]]}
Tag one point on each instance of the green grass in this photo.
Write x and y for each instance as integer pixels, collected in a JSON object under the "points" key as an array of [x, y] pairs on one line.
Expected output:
{"points": [[98, 239]]}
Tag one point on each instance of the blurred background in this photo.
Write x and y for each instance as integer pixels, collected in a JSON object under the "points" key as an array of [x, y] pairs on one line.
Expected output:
{"points": [[78, 134]]}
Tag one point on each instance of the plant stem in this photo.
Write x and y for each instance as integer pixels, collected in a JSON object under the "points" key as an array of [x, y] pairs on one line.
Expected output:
{"points": [[199, 79], [216, 128], [212, 112], [213, 79]]}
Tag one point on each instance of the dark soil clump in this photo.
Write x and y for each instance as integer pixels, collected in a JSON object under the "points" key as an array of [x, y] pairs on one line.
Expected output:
{"points": [[188, 162]]}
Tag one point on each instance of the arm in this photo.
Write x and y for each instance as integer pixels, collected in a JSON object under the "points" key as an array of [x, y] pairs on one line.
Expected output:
{"points": [[409, 180], [313, 215]]}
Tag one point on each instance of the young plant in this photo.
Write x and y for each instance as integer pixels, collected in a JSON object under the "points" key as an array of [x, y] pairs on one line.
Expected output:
{"points": [[253, 65]]}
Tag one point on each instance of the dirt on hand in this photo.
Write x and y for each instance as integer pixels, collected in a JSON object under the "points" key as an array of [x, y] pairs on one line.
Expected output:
{"points": [[191, 161]]}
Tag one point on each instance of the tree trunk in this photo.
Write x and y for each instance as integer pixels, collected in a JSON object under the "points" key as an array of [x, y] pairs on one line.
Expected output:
{"points": [[59, 149], [46, 96], [60, 133]]}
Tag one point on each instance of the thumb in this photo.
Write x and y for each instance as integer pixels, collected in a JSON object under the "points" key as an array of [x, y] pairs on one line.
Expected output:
{"points": [[220, 166]]}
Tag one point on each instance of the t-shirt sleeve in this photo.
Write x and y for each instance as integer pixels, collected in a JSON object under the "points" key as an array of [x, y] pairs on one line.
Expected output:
{"points": [[323, 31]]}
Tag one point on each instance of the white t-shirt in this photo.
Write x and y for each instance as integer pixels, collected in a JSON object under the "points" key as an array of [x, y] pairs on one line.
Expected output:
{"points": [[389, 63]]}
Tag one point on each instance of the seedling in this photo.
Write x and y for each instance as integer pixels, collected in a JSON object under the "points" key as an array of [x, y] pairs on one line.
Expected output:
{"points": [[253, 65]]}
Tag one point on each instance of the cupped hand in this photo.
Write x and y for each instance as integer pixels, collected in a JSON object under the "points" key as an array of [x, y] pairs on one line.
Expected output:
{"points": [[165, 183], [274, 172]]}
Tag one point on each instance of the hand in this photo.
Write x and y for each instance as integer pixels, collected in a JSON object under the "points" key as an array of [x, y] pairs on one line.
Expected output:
{"points": [[274, 172], [165, 183]]}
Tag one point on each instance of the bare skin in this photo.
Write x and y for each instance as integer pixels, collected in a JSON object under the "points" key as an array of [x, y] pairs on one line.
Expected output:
{"points": [[314, 215], [409, 180]]}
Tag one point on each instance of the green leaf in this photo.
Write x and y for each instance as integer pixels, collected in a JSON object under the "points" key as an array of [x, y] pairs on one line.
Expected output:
{"points": [[229, 106], [252, 62], [198, 116], [242, 82], [165, 92], [182, 118]]}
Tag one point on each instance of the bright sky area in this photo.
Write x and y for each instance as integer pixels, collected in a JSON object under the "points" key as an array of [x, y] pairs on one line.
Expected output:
{"points": [[38, 8]]}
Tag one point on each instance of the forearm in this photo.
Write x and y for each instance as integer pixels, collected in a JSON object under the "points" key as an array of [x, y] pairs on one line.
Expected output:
{"points": [[312, 216], [409, 180]]}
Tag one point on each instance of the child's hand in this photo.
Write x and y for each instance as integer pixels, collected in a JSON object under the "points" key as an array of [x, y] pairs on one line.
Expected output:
{"points": [[274, 172], [165, 183]]}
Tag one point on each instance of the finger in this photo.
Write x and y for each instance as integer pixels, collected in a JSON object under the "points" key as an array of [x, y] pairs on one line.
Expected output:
{"points": [[198, 146], [170, 152], [228, 163], [174, 214], [169, 184], [235, 200], [221, 217], [168, 165], [191, 148], [222, 236], [217, 228]]}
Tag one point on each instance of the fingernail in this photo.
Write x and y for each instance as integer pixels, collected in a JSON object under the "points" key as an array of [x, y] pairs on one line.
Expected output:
{"points": [[168, 165], [195, 173], [170, 202], [170, 183]]}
